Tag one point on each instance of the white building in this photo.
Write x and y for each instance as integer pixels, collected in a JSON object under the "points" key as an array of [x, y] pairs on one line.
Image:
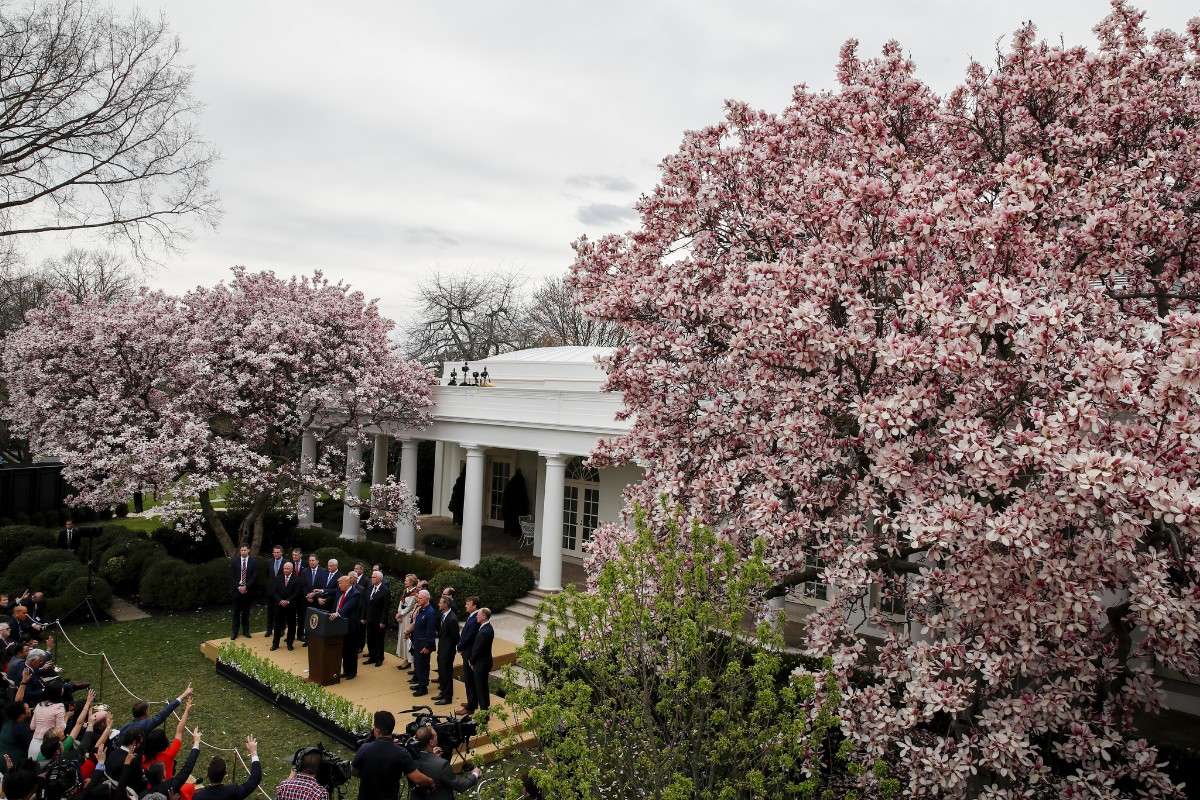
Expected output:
{"points": [[542, 414]]}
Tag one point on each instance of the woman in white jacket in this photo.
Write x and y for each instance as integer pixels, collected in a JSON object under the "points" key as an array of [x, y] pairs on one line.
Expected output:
{"points": [[408, 601]]}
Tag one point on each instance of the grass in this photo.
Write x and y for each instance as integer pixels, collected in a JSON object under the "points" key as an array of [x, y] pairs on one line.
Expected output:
{"points": [[140, 524], [157, 657]]}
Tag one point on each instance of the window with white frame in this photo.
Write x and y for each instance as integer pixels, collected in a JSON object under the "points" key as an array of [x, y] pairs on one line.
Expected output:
{"points": [[497, 483], [581, 504], [814, 590]]}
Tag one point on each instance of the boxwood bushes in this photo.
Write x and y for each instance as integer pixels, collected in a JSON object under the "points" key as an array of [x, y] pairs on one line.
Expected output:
{"points": [[172, 571]]}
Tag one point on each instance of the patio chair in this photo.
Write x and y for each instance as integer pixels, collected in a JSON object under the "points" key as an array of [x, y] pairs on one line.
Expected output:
{"points": [[526, 530]]}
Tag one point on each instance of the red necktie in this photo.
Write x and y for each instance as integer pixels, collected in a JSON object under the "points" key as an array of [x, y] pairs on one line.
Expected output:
{"points": [[243, 572], [286, 578], [341, 600]]}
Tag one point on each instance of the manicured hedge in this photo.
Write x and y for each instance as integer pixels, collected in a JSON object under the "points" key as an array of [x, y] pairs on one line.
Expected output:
{"points": [[25, 571], [506, 577], [72, 596], [122, 564], [466, 584], [16, 538]]}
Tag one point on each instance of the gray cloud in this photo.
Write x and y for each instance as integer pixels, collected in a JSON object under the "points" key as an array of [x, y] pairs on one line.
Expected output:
{"points": [[604, 214], [427, 235], [608, 183]]}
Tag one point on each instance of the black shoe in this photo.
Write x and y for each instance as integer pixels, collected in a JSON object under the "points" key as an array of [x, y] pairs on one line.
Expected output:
{"points": [[420, 692], [304, 643], [379, 663], [438, 702], [274, 647], [234, 637], [349, 677], [246, 634], [290, 647]]}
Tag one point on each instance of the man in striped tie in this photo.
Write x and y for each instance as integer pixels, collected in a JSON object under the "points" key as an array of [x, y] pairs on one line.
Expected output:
{"points": [[243, 571]]}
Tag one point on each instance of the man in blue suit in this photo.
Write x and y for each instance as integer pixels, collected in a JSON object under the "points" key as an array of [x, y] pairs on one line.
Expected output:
{"points": [[346, 606], [314, 579], [424, 638], [243, 570], [466, 644], [330, 590], [481, 658]]}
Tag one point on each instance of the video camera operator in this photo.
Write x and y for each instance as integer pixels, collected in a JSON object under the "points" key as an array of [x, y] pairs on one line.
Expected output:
{"points": [[435, 766], [381, 763], [303, 784]]}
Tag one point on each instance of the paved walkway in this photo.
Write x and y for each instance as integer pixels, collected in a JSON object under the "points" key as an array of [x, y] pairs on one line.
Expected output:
{"points": [[124, 611]]}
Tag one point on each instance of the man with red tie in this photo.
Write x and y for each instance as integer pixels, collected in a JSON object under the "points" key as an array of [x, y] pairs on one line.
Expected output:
{"points": [[346, 606], [243, 570]]}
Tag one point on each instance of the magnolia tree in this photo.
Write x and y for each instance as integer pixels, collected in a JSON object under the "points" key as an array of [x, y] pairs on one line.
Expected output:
{"points": [[184, 395], [945, 350]]}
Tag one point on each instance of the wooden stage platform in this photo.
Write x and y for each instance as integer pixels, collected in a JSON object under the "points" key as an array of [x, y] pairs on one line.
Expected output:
{"points": [[384, 688]]}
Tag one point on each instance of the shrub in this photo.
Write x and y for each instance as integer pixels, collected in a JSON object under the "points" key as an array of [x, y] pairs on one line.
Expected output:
{"points": [[15, 538], [105, 513], [24, 571], [64, 514], [54, 579], [509, 577], [175, 585], [21, 518], [465, 585], [37, 519], [122, 510], [215, 576], [184, 546], [122, 564], [76, 591]]}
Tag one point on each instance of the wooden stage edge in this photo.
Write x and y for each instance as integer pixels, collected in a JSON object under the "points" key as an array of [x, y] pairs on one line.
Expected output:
{"points": [[386, 687]]}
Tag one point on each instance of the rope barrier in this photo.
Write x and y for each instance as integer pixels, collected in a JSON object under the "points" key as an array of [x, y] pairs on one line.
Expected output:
{"points": [[192, 731]]}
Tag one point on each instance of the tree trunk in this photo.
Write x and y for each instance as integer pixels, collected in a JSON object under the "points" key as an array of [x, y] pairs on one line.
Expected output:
{"points": [[252, 527], [218, 527]]}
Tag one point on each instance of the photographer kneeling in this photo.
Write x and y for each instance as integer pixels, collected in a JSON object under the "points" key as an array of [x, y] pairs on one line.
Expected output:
{"points": [[432, 764], [380, 764]]}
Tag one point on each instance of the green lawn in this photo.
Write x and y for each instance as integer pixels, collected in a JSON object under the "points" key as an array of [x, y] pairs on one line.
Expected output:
{"points": [[157, 657]]}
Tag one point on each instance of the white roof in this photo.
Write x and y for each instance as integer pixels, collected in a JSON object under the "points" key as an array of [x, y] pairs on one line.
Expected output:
{"points": [[552, 368]]}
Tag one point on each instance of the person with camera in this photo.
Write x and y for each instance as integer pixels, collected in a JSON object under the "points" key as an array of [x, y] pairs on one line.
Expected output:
{"points": [[431, 762], [303, 785], [381, 763]]}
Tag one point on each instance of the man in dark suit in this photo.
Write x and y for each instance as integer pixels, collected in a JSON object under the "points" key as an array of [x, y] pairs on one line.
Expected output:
{"points": [[481, 659], [466, 643], [314, 578], [287, 592], [346, 606], [243, 570], [330, 590], [274, 567], [36, 606], [431, 763], [377, 606], [214, 779], [424, 640], [447, 636], [68, 537]]}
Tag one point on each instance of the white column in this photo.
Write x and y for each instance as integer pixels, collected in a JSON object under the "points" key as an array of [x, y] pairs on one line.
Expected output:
{"points": [[550, 573], [379, 460], [308, 453], [350, 520], [472, 528], [775, 613], [406, 529]]}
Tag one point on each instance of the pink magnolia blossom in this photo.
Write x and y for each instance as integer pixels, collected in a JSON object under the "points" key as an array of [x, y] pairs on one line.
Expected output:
{"points": [[183, 395], [949, 344]]}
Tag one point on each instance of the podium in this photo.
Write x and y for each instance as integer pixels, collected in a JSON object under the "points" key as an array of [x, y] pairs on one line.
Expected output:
{"points": [[324, 646]]}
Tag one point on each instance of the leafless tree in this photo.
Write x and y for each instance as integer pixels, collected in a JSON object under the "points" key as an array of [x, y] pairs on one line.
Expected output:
{"points": [[468, 315], [98, 127], [558, 322], [86, 273]]}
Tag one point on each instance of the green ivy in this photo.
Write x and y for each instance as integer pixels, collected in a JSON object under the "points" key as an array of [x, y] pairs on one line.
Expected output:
{"points": [[310, 695]]}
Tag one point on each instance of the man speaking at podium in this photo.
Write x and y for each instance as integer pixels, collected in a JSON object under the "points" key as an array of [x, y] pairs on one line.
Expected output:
{"points": [[346, 606]]}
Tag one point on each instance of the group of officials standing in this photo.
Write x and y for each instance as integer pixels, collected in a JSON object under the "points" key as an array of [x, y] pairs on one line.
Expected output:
{"points": [[296, 584]]}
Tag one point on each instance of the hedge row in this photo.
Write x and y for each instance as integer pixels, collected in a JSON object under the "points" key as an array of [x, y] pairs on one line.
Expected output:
{"points": [[33, 562], [170, 570]]}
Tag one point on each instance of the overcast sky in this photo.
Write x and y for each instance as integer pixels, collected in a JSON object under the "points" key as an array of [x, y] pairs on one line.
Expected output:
{"points": [[380, 140]]}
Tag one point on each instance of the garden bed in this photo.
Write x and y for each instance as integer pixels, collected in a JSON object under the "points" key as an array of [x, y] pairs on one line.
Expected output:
{"points": [[307, 702]]}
